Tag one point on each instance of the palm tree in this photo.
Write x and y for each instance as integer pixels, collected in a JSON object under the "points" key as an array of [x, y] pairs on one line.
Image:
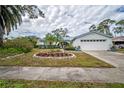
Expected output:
{"points": [[104, 26], [50, 39], [11, 17], [92, 28], [60, 33], [120, 27], [121, 22], [118, 30]]}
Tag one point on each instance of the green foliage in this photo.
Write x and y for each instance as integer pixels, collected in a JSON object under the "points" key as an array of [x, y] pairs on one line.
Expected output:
{"points": [[32, 39], [55, 84], [4, 52], [50, 39], [20, 43], [60, 33], [92, 28], [9, 83], [69, 47], [119, 29], [11, 16], [105, 25]]}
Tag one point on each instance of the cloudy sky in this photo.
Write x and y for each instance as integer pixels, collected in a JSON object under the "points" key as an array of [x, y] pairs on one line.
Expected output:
{"points": [[76, 19]]}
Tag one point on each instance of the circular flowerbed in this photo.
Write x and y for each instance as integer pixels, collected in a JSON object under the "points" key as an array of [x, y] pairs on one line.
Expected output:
{"points": [[59, 55]]}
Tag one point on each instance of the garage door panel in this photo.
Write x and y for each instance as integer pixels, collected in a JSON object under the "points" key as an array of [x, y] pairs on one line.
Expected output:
{"points": [[93, 46]]}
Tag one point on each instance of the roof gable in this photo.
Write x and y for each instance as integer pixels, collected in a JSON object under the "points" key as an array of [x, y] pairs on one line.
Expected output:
{"points": [[88, 33]]}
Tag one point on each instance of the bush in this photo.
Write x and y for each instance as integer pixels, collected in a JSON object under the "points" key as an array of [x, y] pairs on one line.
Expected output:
{"points": [[4, 52], [70, 48], [19, 43]]}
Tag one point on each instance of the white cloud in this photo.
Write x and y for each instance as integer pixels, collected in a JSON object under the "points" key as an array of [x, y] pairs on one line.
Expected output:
{"points": [[76, 18]]}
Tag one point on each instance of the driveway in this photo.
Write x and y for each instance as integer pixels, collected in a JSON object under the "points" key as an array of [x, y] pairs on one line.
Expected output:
{"points": [[114, 58]]}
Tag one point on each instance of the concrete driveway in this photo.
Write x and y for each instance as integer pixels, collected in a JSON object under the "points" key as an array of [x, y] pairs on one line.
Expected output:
{"points": [[114, 58]]}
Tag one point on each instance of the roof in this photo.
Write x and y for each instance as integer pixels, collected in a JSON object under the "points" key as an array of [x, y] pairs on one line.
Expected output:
{"points": [[120, 38], [99, 33]]}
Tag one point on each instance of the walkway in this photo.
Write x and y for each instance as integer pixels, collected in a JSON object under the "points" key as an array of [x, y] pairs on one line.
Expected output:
{"points": [[66, 74]]}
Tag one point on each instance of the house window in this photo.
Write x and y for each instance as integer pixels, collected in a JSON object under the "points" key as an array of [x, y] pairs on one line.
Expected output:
{"points": [[98, 40], [91, 40], [104, 40]]}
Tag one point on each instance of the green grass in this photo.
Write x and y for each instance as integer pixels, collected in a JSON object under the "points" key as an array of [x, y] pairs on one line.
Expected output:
{"points": [[81, 60], [5, 52], [120, 50], [55, 84]]}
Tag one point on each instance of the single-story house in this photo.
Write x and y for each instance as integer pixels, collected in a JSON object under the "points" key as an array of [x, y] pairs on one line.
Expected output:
{"points": [[93, 41], [118, 41]]}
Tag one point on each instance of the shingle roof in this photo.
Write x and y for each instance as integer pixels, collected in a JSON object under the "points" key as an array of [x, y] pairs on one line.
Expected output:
{"points": [[82, 35]]}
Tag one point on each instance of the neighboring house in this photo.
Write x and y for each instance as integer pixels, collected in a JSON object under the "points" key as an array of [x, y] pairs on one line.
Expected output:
{"points": [[93, 41], [118, 41]]}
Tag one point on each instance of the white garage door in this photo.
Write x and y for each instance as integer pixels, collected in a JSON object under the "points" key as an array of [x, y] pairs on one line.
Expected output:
{"points": [[99, 44]]}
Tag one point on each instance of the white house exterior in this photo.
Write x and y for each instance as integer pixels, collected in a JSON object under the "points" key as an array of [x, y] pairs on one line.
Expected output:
{"points": [[93, 41]]}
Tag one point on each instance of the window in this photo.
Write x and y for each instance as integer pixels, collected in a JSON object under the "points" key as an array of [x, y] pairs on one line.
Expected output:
{"points": [[94, 40], [104, 40], [91, 40], [97, 40]]}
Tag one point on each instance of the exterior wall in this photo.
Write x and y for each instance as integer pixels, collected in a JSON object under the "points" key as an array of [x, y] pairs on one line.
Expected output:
{"points": [[106, 45]]}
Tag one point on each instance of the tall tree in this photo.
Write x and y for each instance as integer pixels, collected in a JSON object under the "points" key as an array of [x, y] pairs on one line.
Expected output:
{"points": [[118, 30], [11, 17], [92, 28], [50, 39], [60, 33], [104, 26], [120, 27]]}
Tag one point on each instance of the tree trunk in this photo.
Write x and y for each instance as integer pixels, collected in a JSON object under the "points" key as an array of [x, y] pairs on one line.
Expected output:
{"points": [[1, 36], [1, 40]]}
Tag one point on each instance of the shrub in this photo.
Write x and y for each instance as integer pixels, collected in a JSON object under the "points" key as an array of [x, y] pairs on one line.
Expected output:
{"points": [[19, 43], [70, 48], [4, 52]]}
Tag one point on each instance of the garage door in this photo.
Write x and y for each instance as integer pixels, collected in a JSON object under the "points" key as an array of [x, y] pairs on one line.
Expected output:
{"points": [[99, 44]]}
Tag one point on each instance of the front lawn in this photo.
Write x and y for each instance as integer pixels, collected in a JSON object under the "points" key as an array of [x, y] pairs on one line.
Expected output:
{"points": [[5, 52], [81, 60], [120, 50], [55, 84]]}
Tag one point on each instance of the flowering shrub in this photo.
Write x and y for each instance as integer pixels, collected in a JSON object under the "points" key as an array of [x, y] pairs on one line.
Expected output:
{"points": [[57, 54]]}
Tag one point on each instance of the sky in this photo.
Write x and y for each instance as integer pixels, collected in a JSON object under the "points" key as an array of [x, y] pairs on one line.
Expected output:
{"points": [[77, 19]]}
